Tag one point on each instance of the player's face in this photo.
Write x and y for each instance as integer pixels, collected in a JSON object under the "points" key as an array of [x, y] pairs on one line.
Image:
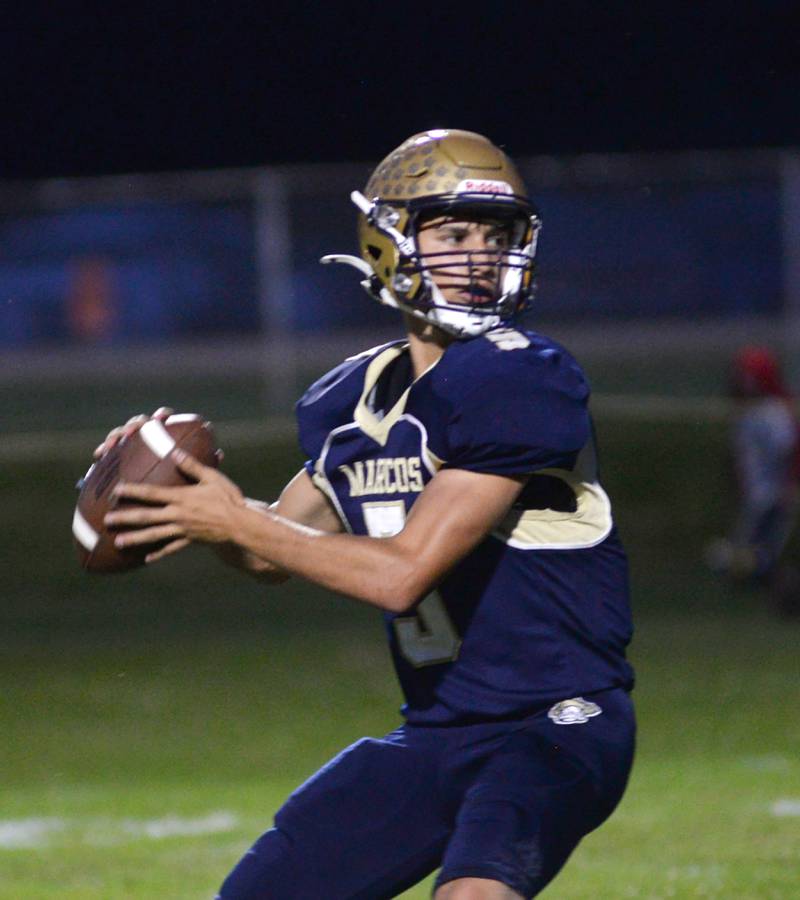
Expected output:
{"points": [[464, 257]]}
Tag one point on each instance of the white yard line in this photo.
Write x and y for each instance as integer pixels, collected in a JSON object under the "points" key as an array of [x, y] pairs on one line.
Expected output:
{"points": [[23, 834], [33, 833], [786, 808], [767, 762], [176, 826]]}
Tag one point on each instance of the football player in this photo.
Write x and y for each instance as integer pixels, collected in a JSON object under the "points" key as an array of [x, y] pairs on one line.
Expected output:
{"points": [[452, 483]]}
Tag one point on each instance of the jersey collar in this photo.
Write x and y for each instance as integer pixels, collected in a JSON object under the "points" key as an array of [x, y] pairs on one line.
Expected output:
{"points": [[364, 417]]}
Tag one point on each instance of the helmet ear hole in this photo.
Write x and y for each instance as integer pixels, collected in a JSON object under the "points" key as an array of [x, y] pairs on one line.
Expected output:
{"points": [[374, 252]]}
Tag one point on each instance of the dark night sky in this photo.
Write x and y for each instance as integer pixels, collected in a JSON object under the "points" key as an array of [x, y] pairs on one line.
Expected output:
{"points": [[214, 84]]}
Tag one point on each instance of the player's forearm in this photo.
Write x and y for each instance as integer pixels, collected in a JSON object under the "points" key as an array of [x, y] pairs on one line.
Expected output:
{"points": [[376, 571], [239, 558]]}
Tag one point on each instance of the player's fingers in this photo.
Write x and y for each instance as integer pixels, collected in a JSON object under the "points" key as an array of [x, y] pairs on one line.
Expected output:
{"points": [[141, 514], [150, 493], [136, 515], [172, 547], [112, 438], [148, 535], [139, 419], [116, 434], [191, 467], [101, 448], [163, 412]]}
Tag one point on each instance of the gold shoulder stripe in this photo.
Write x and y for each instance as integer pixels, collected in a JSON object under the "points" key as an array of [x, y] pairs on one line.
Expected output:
{"points": [[548, 529]]}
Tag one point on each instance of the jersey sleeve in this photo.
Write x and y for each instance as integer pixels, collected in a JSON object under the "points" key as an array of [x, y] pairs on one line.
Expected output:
{"points": [[526, 411], [326, 405], [329, 403]]}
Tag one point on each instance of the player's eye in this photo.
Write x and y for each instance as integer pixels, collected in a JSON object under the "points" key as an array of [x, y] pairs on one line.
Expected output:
{"points": [[454, 236], [498, 240]]}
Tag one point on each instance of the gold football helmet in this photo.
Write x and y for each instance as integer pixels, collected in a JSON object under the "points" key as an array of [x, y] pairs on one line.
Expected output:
{"points": [[455, 175]]}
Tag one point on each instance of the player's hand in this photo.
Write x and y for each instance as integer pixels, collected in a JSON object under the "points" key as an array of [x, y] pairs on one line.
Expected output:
{"points": [[129, 428], [204, 511]]}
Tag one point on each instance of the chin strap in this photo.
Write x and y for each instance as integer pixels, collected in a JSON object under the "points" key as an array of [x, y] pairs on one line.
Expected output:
{"points": [[355, 261]]}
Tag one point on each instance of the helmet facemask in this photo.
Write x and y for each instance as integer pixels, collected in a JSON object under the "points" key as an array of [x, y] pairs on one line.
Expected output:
{"points": [[467, 292]]}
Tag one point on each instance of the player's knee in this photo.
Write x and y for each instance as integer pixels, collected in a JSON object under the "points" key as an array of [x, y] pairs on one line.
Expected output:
{"points": [[476, 889]]}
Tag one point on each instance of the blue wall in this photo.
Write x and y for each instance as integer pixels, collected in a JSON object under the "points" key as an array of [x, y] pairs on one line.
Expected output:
{"points": [[189, 268], [171, 269], [677, 251]]}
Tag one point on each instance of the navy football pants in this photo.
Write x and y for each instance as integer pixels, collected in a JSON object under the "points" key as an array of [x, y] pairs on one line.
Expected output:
{"points": [[507, 801]]}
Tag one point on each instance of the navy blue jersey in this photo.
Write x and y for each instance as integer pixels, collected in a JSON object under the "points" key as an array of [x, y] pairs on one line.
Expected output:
{"points": [[538, 612]]}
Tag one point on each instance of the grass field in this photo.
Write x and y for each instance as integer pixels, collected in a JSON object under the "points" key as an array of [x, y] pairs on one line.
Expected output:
{"points": [[153, 722]]}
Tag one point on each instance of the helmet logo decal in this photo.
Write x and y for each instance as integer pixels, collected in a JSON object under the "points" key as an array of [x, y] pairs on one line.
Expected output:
{"points": [[484, 186]]}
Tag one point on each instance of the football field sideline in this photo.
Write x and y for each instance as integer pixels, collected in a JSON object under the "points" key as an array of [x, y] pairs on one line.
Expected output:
{"points": [[65, 443]]}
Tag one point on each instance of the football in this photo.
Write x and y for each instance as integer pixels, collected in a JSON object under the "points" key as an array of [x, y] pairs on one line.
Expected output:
{"points": [[143, 458]]}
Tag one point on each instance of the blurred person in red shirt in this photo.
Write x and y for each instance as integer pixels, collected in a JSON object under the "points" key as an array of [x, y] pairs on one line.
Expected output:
{"points": [[765, 448]]}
